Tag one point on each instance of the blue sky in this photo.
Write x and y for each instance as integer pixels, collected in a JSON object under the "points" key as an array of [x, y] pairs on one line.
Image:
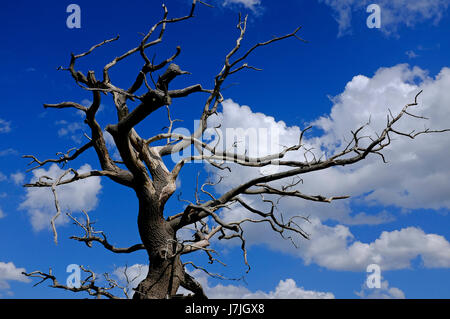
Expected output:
{"points": [[398, 213]]}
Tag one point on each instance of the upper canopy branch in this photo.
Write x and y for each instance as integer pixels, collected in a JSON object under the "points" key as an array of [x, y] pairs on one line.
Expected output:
{"points": [[145, 44], [242, 26], [215, 97], [78, 76]]}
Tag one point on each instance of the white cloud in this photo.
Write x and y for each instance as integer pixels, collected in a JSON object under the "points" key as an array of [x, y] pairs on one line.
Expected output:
{"points": [[411, 54], [343, 13], [133, 274], [286, 289], [109, 140], [394, 13], [328, 183], [9, 272], [8, 151], [130, 276], [18, 178], [2, 177], [77, 196], [111, 145], [5, 126], [335, 248], [384, 292], [73, 130], [401, 181], [249, 4], [2, 214], [88, 103], [408, 181]]}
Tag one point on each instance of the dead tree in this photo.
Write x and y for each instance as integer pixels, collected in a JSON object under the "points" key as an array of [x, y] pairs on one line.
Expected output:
{"points": [[143, 167]]}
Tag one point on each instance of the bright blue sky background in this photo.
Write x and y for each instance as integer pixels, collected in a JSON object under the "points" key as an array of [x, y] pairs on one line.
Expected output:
{"points": [[295, 86]]}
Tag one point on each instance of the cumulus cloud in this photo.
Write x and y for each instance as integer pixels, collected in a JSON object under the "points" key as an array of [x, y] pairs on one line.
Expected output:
{"points": [[394, 13], [18, 178], [411, 54], [336, 248], [384, 292], [73, 130], [77, 196], [408, 181], [131, 274], [88, 103], [2, 214], [269, 136], [286, 289], [111, 145], [400, 182], [249, 4], [9, 272], [5, 126], [8, 151]]}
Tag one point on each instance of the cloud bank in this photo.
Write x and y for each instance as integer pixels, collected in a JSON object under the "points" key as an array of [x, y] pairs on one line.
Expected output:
{"points": [[9, 272], [286, 289], [407, 182], [394, 13], [73, 197]]}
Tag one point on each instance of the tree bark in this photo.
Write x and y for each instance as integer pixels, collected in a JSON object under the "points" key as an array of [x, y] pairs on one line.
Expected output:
{"points": [[162, 281], [165, 268]]}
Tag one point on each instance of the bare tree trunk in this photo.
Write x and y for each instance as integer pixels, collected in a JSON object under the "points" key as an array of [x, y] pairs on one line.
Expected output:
{"points": [[163, 279], [165, 267]]}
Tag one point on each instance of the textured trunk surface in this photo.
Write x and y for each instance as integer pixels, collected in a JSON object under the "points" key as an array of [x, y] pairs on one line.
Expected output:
{"points": [[165, 271], [162, 281]]}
